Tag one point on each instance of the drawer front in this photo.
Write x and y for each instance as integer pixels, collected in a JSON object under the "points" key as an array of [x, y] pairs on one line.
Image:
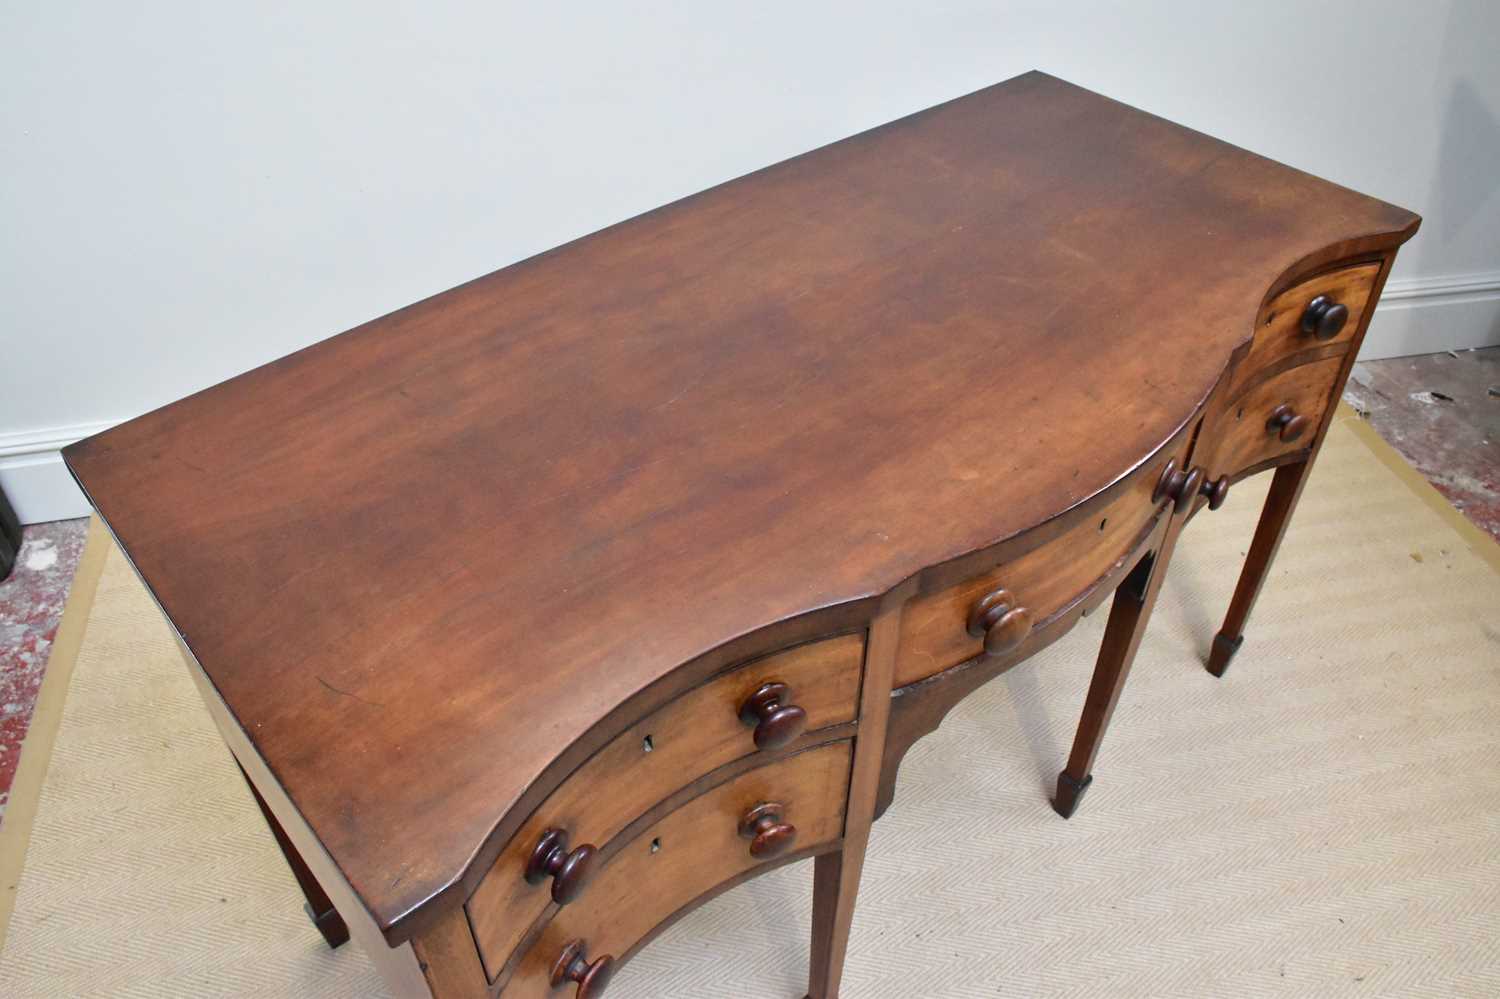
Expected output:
{"points": [[687, 854], [668, 749], [1276, 417], [935, 628], [1302, 317]]}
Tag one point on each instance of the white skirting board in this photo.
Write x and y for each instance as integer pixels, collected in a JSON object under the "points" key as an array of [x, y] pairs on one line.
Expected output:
{"points": [[1426, 315], [1415, 316], [34, 477]]}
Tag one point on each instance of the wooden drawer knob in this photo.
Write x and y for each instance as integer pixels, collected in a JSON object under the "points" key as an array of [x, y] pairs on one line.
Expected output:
{"points": [[768, 835], [1324, 318], [1216, 491], [572, 965], [776, 721], [1003, 624], [570, 872], [1287, 424], [1179, 486]]}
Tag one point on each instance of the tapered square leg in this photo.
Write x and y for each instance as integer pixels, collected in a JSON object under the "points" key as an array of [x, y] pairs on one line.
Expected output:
{"points": [[1281, 501], [1223, 652], [318, 907], [1069, 793], [836, 874], [1128, 616]]}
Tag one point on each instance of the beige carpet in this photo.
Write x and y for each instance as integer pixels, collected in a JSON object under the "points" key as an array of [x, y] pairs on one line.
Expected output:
{"points": [[1323, 822]]}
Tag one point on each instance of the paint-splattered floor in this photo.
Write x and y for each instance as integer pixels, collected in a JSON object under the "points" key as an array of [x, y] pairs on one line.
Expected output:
{"points": [[1442, 413], [31, 603], [1436, 409]]}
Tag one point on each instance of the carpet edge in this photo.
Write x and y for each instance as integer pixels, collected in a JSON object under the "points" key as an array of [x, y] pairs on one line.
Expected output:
{"points": [[36, 748], [1478, 540]]}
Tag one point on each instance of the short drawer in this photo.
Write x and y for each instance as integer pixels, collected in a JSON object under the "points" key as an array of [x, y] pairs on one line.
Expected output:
{"points": [[796, 803], [1274, 418], [935, 628], [665, 751], [1321, 312]]}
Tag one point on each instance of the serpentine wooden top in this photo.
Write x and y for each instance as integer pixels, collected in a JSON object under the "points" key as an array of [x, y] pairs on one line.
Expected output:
{"points": [[423, 559]]}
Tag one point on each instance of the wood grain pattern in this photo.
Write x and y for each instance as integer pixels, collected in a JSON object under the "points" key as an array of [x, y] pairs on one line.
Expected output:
{"points": [[432, 564], [448, 959], [692, 736], [935, 633], [919, 708], [674, 862], [1239, 439], [1278, 329]]}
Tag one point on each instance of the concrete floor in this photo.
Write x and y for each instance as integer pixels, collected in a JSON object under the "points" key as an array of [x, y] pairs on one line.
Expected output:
{"points": [[1442, 412], [31, 603], [1437, 410]]}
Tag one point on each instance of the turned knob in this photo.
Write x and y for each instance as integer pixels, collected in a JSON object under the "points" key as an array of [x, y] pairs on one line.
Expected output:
{"points": [[570, 872], [1216, 491], [1001, 621], [768, 835], [776, 721], [572, 965], [1324, 318], [1286, 423], [1179, 486]]}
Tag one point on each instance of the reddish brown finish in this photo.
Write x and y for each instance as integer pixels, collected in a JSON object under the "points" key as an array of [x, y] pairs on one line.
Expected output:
{"points": [[1287, 424], [1128, 617], [776, 722], [686, 855], [574, 966], [1181, 487], [1281, 500], [768, 835], [433, 563], [569, 871], [1216, 492], [919, 708], [694, 742], [1000, 621], [1280, 340], [319, 907], [1324, 319], [1048, 568]]}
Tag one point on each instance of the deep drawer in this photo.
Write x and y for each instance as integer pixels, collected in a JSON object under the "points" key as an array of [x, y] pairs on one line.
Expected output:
{"points": [[670, 748], [683, 857]]}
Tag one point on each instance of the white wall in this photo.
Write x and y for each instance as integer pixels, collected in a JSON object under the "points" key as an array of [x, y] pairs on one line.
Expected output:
{"points": [[192, 189]]}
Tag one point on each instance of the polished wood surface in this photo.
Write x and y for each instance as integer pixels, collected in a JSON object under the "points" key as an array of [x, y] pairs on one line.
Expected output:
{"points": [[740, 495], [1281, 333], [938, 630], [918, 708], [320, 908], [672, 863], [573, 965], [1273, 419], [692, 736]]}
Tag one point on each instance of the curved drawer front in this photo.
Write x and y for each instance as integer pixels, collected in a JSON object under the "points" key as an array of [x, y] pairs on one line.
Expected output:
{"points": [[1303, 318], [1278, 417], [668, 749], [935, 628], [686, 855]]}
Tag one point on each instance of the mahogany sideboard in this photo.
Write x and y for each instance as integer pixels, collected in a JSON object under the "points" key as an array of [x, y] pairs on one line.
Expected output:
{"points": [[541, 611]]}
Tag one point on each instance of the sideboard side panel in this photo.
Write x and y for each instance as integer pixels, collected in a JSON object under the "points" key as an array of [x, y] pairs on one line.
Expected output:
{"points": [[398, 966]]}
